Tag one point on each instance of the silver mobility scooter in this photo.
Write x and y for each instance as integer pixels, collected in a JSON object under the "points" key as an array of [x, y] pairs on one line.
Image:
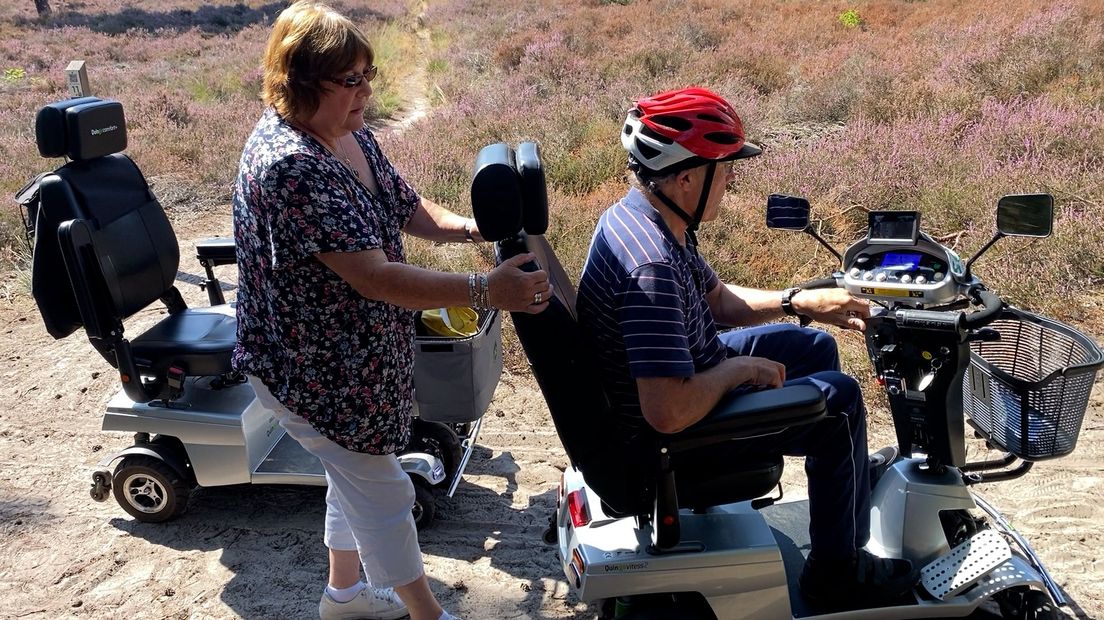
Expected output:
{"points": [[655, 534], [104, 249]]}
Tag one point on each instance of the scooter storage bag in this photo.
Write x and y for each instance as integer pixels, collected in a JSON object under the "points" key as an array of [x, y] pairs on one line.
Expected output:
{"points": [[455, 378], [1027, 392]]}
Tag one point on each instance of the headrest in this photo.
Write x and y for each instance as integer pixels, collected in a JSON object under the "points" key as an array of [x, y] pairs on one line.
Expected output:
{"points": [[82, 128], [508, 191]]}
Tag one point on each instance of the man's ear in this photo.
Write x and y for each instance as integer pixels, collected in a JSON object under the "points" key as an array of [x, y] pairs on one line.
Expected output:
{"points": [[685, 178]]}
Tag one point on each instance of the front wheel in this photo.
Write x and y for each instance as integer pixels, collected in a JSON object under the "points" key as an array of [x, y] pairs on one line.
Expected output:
{"points": [[1026, 604], [149, 490]]}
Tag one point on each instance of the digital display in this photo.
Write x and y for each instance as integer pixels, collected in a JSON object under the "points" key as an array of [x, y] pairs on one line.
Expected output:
{"points": [[894, 227], [903, 261]]}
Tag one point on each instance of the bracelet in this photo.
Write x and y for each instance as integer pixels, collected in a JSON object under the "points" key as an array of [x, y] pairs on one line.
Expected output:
{"points": [[479, 291], [468, 230]]}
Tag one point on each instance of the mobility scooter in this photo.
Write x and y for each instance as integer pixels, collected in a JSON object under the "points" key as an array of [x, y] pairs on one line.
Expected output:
{"points": [[103, 250], [656, 534]]}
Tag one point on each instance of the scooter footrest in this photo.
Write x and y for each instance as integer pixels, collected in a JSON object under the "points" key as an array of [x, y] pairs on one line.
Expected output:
{"points": [[953, 573]]}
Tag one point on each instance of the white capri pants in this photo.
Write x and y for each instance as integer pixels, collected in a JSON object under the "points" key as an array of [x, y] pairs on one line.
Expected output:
{"points": [[368, 501]]}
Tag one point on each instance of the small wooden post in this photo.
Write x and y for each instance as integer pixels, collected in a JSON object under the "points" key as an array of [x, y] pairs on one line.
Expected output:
{"points": [[76, 75]]}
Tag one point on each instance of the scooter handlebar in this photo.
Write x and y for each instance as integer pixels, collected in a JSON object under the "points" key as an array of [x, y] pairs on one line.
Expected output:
{"points": [[955, 321]]}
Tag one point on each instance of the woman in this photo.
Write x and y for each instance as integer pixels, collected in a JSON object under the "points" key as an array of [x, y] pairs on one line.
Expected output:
{"points": [[325, 301]]}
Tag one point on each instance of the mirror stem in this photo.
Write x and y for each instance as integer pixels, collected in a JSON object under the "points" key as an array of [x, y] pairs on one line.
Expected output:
{"points": [[983, 249], [813, 233]]}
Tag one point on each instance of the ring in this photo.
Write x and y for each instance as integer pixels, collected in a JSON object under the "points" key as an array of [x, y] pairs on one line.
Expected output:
{"points": [[537, 298], [853, 314]]}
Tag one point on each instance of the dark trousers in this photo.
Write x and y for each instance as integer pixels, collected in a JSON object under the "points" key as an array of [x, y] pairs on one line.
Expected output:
{"points": [[834, 449]]}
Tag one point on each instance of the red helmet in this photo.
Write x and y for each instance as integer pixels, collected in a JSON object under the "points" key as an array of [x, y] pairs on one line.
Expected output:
{"points": [[684, 128]]}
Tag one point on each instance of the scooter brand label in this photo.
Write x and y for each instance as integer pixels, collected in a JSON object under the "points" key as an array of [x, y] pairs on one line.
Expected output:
{"points": [[626, 567], [890, 292]]}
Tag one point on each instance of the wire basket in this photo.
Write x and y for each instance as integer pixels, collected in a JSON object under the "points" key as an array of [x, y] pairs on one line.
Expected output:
{"points": [[1028, 391]]}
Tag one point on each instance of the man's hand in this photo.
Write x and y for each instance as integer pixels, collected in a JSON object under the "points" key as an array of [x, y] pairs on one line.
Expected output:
{"points": [[757, 371], [670, 404], [834, 306]]}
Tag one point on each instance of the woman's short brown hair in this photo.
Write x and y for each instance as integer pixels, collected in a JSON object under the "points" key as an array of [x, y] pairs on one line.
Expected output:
{"points": [[309, 42]]}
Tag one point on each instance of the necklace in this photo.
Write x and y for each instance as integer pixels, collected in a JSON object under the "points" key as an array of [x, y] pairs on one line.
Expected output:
{"points": [[348, 162]]}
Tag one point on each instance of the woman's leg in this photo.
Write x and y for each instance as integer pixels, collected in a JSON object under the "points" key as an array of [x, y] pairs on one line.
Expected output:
{"points": [[368, 518]]}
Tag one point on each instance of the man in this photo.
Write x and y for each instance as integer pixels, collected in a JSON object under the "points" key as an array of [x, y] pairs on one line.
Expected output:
{"points": [[651, 305]]}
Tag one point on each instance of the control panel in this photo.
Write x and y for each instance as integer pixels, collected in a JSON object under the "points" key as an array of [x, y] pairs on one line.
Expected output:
{"points": [[917, 275]]}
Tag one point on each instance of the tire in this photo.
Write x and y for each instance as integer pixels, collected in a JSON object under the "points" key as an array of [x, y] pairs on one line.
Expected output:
{"points": [[439, 440], [958, 526], [1037, 606], [1025, 604], [149, 490], [425, 504]]}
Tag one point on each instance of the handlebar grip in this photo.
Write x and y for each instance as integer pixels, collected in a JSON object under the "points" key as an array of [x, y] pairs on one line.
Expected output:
{"points": [[930, 320], [992, 306], [820, 283]]}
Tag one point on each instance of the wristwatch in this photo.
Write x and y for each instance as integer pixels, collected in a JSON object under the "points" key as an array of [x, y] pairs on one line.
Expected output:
{"points": [[787, 301], [788, 309]]}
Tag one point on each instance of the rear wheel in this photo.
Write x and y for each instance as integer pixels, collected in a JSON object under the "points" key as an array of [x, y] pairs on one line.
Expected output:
{"points": [[425, 504], [439, 440], [149, 490]]}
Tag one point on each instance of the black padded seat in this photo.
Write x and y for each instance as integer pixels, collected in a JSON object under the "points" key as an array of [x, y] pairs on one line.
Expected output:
{"points": [[200, 341], [99, 223]]}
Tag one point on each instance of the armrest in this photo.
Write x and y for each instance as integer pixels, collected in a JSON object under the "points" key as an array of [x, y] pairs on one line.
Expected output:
{"points": [[753, 413], [79, 255], [216, 251]]}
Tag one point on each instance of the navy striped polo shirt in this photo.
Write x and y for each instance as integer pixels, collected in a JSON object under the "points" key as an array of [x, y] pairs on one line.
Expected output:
{"points": [[642, 303]]}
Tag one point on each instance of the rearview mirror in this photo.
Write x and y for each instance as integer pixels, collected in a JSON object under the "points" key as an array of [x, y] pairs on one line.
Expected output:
{"points": [[787, 212], [1025, 215]]}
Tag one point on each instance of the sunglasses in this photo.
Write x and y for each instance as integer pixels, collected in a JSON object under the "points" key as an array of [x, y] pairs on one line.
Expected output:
{"points": [[354, 80]]}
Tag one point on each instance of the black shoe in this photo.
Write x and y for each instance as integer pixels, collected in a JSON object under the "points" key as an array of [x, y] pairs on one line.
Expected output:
{"points": [[866, 581], [881, 461]]}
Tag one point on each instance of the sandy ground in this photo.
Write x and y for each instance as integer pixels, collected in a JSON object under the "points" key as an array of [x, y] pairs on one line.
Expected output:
{"points": [[256, 552]]}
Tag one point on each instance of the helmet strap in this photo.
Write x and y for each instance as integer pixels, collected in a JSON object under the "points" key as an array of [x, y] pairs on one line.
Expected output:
{"points": [[692, 221], [707, 185]]}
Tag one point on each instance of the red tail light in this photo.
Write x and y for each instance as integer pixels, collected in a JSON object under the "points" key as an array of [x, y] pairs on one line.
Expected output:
{"points": [[577, 506]]}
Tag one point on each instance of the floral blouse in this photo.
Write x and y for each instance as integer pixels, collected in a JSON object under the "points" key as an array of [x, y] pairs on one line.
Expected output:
{"points": [[342, 362]]}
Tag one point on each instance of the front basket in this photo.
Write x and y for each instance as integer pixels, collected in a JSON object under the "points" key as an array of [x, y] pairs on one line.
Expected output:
{"points": [[1028, 391]]}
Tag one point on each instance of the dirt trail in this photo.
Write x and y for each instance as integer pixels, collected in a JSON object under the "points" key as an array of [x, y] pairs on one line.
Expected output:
{"points": [[256, 552]]}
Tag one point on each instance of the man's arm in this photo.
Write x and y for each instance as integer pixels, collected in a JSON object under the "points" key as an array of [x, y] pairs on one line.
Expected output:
{"points": [[670, 404], [739, 306]]}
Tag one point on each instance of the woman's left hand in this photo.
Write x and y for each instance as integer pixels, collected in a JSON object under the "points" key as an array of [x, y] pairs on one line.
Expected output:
{"points": [[834, 306]]}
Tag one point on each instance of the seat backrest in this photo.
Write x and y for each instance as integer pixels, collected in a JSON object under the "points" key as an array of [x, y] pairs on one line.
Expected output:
{"points": [[508, 193], [569, 379], [135, 251]]}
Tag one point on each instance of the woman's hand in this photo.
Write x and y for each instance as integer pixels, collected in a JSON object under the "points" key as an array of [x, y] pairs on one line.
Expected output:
{"points": [[510, 288], [834, 306]]}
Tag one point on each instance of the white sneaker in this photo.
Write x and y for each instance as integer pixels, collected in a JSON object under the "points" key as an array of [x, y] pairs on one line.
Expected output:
{"points": [[369, 604]]}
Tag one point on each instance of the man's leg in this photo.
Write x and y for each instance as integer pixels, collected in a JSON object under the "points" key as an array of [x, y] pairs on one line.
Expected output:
{"points": [[835, 448], [801, 350]]}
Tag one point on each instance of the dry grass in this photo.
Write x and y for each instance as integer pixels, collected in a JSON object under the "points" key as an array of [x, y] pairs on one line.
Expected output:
{"points": [[941, 106]]}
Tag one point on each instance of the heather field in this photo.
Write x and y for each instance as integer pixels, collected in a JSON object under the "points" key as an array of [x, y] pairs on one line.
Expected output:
{"points": [[941, 106]]}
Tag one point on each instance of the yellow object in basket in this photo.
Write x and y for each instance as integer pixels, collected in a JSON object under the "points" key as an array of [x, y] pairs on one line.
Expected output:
{"points": [[455, 322]]}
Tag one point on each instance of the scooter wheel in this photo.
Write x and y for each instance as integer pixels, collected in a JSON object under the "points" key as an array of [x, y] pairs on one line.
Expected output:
{"points": [[425, 505], [439, 440], [149, 490], [1027, 604]]}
